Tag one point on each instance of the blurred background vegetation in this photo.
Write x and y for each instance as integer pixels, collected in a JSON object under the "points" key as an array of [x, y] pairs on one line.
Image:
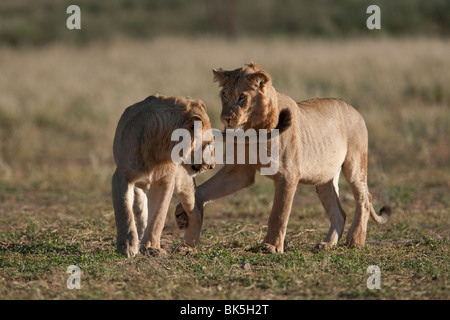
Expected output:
{"points": [[39, 21]]}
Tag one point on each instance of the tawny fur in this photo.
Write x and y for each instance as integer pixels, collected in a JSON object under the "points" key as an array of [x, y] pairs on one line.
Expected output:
{"points": [[145, 176], [325, 136]]}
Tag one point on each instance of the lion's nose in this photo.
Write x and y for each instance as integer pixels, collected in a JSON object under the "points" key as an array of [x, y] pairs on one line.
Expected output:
{"points": [[226, 119], [212, 166]]}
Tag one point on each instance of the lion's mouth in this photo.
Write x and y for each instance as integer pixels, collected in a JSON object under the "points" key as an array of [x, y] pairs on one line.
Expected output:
{"points": [[235, 126], [198, 168]]}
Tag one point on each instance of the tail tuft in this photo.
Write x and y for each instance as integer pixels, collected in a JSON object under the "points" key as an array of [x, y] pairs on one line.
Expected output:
{"points": [[284, 120], [387, 210], [383, 216]]}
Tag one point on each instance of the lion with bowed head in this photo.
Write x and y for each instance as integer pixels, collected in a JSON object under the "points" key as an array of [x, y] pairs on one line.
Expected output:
{"points": [[146, 175]]}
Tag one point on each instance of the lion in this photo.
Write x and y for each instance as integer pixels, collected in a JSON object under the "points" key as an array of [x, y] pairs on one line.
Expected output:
{"points": [[144, 169], [325, 136]]}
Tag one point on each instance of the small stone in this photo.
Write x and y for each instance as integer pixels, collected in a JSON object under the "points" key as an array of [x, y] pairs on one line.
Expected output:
{"points": [[245, 265]]}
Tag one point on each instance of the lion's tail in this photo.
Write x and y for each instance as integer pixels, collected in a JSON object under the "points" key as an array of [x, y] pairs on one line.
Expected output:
{"points": [[383, 216]]}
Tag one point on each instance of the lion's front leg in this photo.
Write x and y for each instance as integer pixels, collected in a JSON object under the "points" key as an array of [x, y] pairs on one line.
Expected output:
{"points": [[192, 231], [278, 219], [159, 197], [192, 208], [226, 181]]}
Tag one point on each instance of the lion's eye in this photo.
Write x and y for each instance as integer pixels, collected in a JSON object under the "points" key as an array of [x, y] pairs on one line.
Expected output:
{"points": [[242, 97], [224, 96]]}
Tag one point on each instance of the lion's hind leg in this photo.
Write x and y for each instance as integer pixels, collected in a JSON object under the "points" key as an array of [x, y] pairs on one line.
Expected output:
{"points": [[355, 172], [329, 196], [123, 197], [140, 209]]}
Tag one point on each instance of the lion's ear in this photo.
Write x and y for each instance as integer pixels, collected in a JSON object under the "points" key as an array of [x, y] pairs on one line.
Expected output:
{"points": [[190, 123], [198, 104], [221, 76], [202, 105], [258, 79]]}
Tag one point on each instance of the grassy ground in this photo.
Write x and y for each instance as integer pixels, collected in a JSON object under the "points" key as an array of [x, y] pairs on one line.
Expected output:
{"points": [[58, 110]]}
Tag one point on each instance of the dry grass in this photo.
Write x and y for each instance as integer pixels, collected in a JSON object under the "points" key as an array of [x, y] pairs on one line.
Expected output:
{"points": [[58, 110]]}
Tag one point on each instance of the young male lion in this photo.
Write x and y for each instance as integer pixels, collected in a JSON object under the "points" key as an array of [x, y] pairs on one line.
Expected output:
{"points": [[324, 136], [142, 153]]}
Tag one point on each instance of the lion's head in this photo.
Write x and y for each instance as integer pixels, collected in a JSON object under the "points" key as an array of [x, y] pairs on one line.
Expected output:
{"points": [[248, 98], [202, 142]]}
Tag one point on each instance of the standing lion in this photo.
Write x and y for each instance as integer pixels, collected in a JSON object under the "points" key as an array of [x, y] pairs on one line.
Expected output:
{"points": [[324, 137], [146, 177]]}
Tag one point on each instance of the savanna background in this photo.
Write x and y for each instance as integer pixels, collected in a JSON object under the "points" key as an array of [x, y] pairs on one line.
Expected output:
{"points": [[62, 92]]}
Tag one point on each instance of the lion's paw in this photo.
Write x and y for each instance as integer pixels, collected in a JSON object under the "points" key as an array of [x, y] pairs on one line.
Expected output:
{"points": [[270, 248], [321, 246], [128, 247], [153, 252]]}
